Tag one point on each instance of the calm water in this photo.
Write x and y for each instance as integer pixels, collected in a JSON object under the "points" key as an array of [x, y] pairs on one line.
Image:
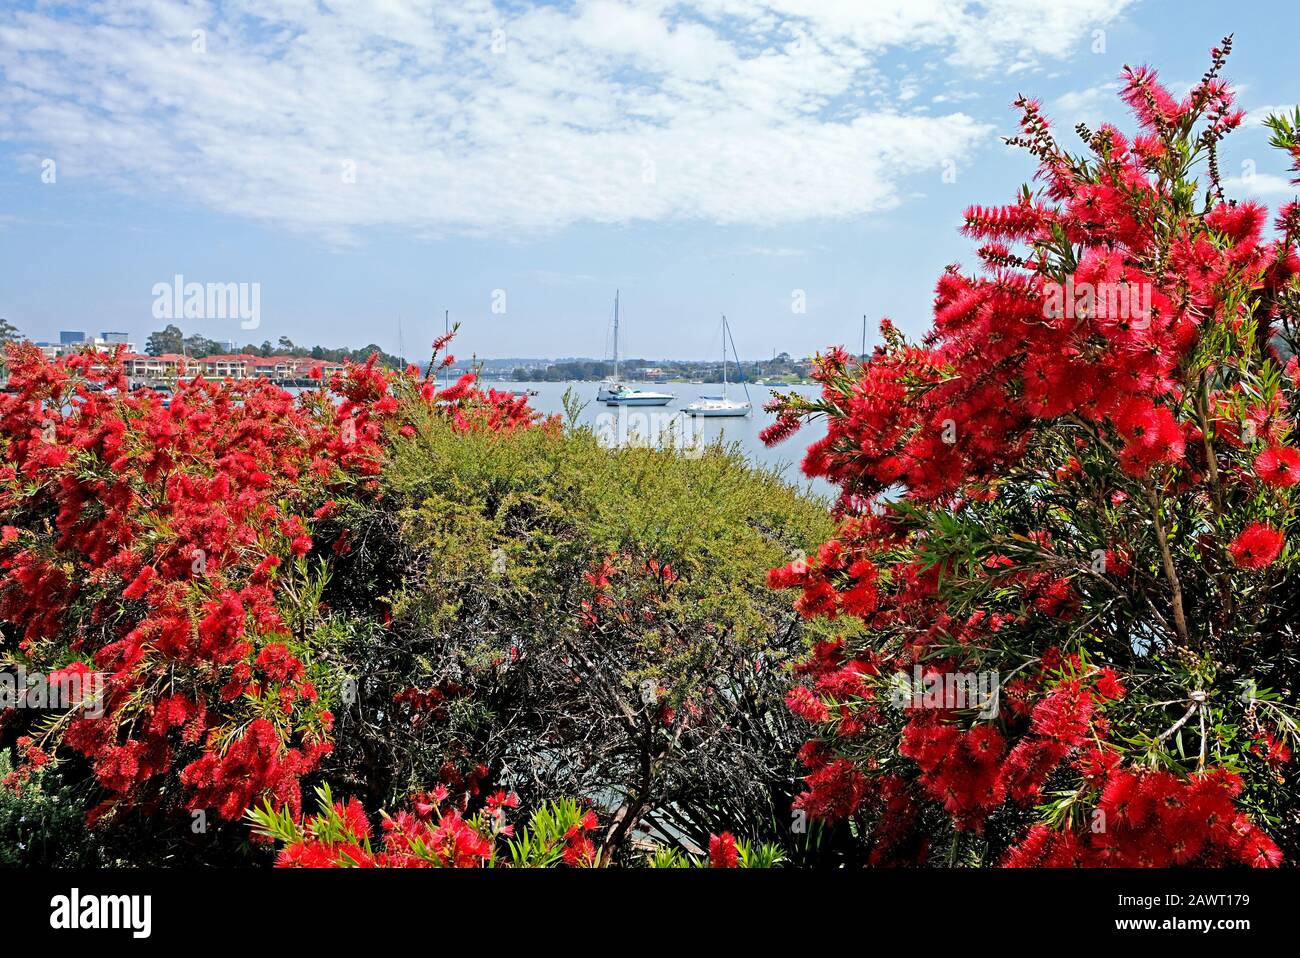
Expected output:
{"points": [[673, 423], [670, 419]]}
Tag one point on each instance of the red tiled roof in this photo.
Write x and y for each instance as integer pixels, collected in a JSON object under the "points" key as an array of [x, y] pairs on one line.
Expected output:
{"points": [[164, 358]]}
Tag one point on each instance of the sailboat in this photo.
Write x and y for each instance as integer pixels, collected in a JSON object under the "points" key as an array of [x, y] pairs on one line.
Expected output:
{"points": [[615, 392], [718, 406]]}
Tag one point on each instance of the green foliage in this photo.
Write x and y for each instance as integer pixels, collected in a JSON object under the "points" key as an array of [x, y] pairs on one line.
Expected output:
{"points": [[541, 843], [544, 498], [659, 691], [278, 824], [43, 823]]}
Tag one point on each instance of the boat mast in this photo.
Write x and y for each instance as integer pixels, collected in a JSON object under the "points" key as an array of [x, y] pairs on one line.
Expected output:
{"points": [[727, 337], [724, 355], [615, 335]]}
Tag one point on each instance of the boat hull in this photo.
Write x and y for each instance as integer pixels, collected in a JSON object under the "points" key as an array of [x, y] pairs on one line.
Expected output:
{"points": [[651, 400], [719, 412]]}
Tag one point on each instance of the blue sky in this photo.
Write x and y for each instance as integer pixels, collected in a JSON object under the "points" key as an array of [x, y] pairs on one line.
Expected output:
{"points": [[367, 161]]}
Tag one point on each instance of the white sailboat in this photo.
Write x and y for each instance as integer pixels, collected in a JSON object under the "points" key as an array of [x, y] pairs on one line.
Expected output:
{"points": [[615, 392], [720, 406]]}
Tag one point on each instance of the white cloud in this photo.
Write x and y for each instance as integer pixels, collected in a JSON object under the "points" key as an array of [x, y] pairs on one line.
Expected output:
{"points": [[1093, 106], [1257, 116], [1261, 185], [466, 117]]}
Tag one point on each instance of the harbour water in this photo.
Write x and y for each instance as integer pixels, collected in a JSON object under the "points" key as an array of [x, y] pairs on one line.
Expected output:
{"points": [[672, 419]]}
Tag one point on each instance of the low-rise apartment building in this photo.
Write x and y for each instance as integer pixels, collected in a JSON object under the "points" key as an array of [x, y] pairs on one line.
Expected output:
{"points": [[224, 366]]}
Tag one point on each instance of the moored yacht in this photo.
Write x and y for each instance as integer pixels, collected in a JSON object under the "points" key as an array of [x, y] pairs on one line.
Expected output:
{"points": [[722, 406], [718, 406], [615, 392], [625, 395]]}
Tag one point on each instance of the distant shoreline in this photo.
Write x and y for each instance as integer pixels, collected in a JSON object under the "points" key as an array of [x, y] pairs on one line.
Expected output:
{"points": [[766, 381]]}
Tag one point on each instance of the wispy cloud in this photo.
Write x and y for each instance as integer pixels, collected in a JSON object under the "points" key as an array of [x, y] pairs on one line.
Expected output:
{"points": [[1259, 114], [1261, 185], [1092, 105], [467, 117]]}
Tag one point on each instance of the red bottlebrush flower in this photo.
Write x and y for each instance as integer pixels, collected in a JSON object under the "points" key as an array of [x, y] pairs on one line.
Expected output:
{"points": [[1256, 849], [1273, 750], [1150, 101], [781, 430], [722, 851], [1109, 686], [1240, 222], [1257, 546], [140, 584], [279, 664], [835, 790], [803, 703], [1151, 435], [1017, 221], [354, 819], [788, 576], [327, 509], [458, 390], [500, 799], [1279, 466], [579, 850]]}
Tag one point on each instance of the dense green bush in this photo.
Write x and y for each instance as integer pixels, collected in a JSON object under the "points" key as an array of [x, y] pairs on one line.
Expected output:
{"points": [[573, 620], [43, 824]]}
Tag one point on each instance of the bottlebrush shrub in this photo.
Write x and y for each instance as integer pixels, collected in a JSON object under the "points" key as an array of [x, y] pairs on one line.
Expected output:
{"points": [[1092, 500], [582, 622], [430, 834], [177, 549]]}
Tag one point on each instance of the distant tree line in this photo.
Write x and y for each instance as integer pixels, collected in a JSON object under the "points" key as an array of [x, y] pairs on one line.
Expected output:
{"points": [[173, 340], [709, 370], [589, 369]]}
